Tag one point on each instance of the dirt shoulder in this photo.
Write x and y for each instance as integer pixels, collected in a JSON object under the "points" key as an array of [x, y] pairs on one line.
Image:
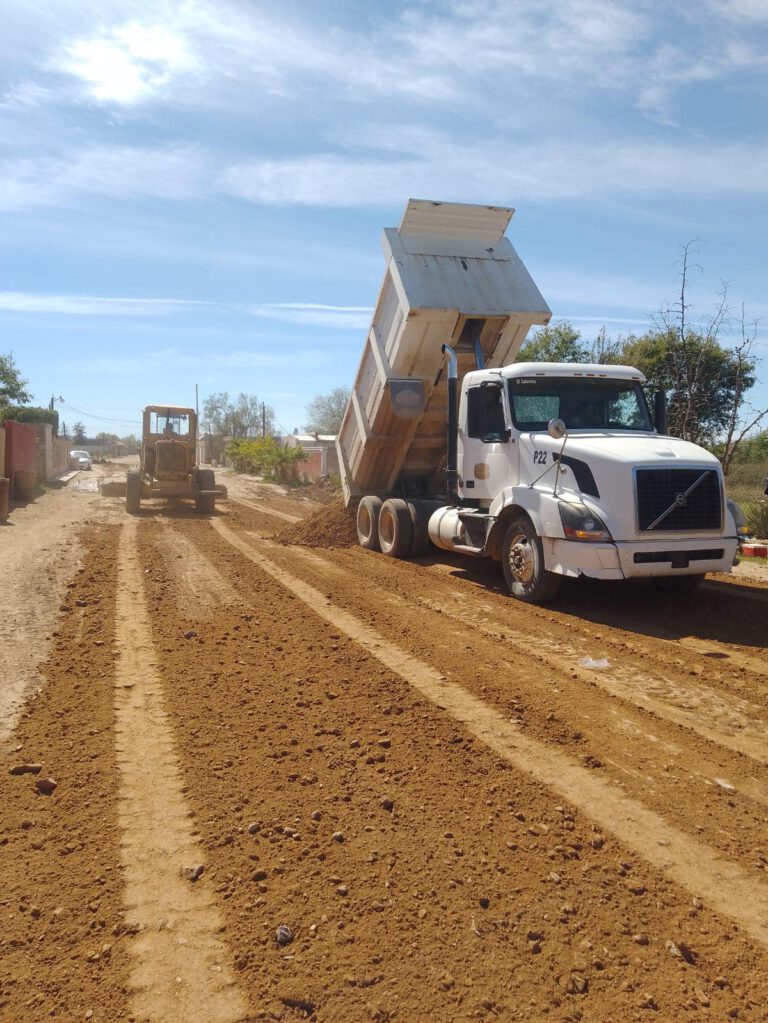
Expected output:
{"points": [[40, 553]]}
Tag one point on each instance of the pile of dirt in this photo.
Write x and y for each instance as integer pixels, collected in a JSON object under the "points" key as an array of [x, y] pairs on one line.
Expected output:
{"points": [[332, 526]]}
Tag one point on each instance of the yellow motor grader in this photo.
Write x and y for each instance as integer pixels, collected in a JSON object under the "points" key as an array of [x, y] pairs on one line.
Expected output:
{"points": [[169, 461]]}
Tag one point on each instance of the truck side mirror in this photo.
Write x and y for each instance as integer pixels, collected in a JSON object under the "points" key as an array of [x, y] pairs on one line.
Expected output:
{"points": [[556, 429]]}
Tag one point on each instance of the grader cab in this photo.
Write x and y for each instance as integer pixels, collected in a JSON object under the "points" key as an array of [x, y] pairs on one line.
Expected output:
{"points": [[169, 461]]}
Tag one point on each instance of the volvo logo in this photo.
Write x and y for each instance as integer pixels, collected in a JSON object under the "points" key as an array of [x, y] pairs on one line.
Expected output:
{"points": [[680, 500]]}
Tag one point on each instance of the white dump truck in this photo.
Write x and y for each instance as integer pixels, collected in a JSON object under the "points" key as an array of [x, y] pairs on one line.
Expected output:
{"points": [[554, 469]]}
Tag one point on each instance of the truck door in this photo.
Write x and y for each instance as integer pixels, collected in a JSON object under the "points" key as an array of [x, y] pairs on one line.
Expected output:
{"points": [[487, 451]]}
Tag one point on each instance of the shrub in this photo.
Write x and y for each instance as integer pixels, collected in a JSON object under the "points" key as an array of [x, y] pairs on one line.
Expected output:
{"points": [[30, 414], [757, 519], [265, 456]]}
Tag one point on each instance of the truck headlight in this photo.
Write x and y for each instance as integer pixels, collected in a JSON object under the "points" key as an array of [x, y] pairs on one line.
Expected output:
{"points": [[579, 523]]}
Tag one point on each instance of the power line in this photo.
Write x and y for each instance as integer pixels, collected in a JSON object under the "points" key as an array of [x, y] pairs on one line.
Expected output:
{"points": [[93, 415]]}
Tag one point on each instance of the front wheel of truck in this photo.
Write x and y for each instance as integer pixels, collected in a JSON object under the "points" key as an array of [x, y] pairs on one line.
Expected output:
{"points": [[522, 560]]}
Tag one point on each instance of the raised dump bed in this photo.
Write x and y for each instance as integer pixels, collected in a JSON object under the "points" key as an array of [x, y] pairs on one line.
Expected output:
{"points": [[452, 278]]}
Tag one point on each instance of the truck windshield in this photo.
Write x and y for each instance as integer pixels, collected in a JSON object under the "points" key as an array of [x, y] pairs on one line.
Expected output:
{"points": [[583, 403]]}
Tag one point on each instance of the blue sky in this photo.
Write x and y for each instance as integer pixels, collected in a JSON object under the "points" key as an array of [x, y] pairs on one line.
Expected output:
{"points": [[193, 192]]}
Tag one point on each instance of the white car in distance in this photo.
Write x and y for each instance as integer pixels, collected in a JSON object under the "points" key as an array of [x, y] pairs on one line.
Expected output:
{"points": [[80, 460]]}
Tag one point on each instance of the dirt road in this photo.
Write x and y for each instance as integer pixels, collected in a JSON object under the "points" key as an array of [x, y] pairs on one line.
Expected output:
{"points": [[313, 782]]}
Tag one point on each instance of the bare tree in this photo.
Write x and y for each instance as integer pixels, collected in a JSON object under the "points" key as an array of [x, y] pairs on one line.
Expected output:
{"points": [[326, 411], [706, 383], [245, 416], [742, 417]]}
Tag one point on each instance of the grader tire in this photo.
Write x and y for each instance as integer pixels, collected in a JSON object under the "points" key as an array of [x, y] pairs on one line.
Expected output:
{"points": [[133, 493], [206, 480]]}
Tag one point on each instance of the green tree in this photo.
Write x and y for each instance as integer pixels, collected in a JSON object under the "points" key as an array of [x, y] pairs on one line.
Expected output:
{"points": [[558, 342], [753, 449], [12, 388], [703, 381], [78, 433], [326, 411], [244, 416], [706, 383]]}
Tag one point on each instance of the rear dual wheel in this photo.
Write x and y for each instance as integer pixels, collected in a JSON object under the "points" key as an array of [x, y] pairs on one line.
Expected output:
{"points": [[368, 523], [395, 528]]}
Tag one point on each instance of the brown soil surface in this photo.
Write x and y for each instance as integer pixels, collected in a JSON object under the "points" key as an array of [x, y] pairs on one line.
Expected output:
{"points": [[332, 526], [452, 811]]}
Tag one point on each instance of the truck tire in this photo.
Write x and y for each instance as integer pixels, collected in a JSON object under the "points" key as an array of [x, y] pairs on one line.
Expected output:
{"points": [[420, 514], [522, 560], [368, 523], [133, 492], [395, 528], [206, 480]]}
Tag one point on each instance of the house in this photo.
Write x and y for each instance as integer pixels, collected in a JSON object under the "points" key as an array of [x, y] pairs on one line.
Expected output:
{"points": [[320, 448]]}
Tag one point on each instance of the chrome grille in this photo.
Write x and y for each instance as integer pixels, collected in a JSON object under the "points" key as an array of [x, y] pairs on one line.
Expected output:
{"points": [[678, 499]]}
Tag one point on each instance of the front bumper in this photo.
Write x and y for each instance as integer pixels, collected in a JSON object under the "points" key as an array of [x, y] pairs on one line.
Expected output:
{"points": [[640, 560]]}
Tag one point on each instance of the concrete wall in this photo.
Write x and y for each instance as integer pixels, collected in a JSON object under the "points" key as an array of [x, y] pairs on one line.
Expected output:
{"points": [[20, 449], [60, 455], [211, 448], [52, 453], [32, 447]]}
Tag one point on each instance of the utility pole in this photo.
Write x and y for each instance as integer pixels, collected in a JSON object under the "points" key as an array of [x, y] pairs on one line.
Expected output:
{"points": [[263, 420]]}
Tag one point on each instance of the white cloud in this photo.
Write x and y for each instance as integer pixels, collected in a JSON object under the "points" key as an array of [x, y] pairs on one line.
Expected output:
{"points": [[445, 169], [119, 172], [740, 11], [87, 305], [450, 54], [129, 64], [113, 365], [545, 171], [312, 315], [302, 313]]}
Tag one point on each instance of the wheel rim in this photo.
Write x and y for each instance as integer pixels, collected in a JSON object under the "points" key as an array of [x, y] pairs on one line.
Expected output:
{"points": [[522, 559], [366, 526], [386, 529]]}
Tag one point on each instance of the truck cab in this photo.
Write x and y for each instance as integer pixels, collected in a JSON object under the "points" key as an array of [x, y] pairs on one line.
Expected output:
{"points": [[608, 496]]}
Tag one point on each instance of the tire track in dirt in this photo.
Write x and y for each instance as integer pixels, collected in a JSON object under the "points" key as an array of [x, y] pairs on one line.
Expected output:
{"points": [[199, 584], [657, 645], [724, 722], [689, 863], [180, 971], [741, 725], [698, 783], [266, 510]]}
